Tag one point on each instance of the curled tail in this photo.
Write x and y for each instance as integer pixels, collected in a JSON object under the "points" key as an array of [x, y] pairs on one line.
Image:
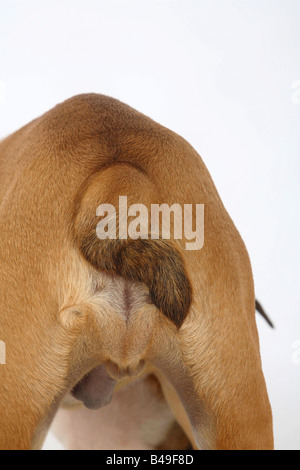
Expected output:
{"points": [[156, 263]]}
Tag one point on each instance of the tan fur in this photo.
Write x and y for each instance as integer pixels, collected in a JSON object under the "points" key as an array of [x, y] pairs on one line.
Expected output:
{"points": [[61, 314]]}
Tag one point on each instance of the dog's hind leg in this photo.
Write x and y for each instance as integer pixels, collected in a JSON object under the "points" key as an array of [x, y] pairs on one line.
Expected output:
{"points": [[212, 372]]}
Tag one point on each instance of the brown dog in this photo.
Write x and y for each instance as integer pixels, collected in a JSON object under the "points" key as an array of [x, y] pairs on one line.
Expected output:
{"points": [[171, 332]]}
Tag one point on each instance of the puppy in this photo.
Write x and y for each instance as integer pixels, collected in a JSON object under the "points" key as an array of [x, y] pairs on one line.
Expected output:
{"points": [[165, 333]]}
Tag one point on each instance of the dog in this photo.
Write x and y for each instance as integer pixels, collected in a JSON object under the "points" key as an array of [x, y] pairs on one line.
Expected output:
{"points": [[128, 343]]}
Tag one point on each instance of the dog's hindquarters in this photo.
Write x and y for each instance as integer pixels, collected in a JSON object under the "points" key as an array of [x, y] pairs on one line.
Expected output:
{"points": [[155, 262], [71, 301], [220, 318]]}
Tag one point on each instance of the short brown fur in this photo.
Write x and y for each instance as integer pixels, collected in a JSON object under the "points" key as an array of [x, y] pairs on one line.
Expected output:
{"points": [[61, 315]]}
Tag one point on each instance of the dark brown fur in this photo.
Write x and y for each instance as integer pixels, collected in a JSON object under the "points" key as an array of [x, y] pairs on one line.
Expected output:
{"points": [[154, 262]]}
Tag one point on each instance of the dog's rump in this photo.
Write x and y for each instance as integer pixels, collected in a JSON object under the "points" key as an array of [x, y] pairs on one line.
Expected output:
{"points": [[158, 263]]}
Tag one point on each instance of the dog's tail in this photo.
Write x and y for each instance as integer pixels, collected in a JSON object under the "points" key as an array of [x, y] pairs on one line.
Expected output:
{"points": [[260, 310], [155, 262]]}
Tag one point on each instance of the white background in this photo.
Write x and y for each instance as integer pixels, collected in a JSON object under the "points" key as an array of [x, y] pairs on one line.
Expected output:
{"points": [[226, 76]]}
